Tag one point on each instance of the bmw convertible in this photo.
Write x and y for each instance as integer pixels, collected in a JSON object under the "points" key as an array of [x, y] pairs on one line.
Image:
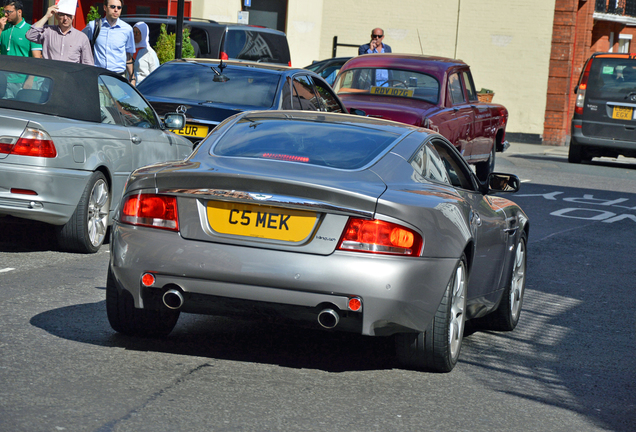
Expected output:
{"points": [[341, 222]]}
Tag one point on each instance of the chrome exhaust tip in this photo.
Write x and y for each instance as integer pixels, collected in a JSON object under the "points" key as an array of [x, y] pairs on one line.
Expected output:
{"points": [[173, 299], [328, 318]]}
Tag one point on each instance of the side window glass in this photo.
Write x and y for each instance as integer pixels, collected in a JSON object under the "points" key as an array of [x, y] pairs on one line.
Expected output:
{"points": [[304, 96], [287, 94], [328, 100], [470, 87], [457, 171], [428, 165], [132, 107], [107, 107], [455, 87]]}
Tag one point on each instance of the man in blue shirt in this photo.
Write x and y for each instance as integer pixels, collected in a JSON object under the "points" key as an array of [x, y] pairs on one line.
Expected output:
{"points": [[376, 45], [115, 43]]}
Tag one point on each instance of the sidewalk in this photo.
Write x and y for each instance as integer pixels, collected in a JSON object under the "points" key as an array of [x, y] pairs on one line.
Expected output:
{"points": [[524, 148]]}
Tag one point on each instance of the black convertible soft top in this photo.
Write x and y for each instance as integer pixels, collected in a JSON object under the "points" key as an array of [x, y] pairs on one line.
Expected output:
{"points": [[73, 93]]}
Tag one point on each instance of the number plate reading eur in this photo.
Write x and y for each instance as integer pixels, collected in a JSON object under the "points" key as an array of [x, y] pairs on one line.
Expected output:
{"points": [[260, 221]]}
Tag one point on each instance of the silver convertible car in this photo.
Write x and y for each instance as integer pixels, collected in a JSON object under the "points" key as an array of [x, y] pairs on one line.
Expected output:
{"points": [[337, 221], [70, 135]]}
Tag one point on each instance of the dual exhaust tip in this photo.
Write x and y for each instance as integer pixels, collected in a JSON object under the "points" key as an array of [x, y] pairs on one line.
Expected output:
{"points": [[327, 318]]}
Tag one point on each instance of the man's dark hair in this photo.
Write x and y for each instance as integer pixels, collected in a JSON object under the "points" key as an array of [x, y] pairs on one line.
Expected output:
{"points": [[106, 3], [17, 4]]}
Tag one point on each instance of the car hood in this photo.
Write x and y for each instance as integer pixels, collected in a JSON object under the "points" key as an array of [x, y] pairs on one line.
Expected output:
{"points": [[199, 111], [400, 109]]}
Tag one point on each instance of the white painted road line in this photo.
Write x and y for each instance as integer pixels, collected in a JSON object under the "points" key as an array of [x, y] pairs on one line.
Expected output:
{"points": [[5, 270]]}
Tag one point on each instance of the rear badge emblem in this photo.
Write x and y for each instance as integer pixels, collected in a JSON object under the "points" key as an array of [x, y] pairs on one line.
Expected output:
{"points": [[181, 109], [260, 197]]}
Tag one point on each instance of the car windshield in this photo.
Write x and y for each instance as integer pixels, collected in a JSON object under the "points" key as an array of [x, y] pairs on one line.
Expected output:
{"points": [[388, 82], [336, 145], [24, 87], [612, 78], [256, 46], [243, 86]]}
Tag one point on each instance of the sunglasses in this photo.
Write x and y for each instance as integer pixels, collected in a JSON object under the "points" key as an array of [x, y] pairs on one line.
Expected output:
{"points": [[377, 36], [115, 7], [8, 12]]}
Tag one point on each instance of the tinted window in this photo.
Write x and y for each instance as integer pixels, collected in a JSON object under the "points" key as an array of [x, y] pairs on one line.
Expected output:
{"points": [[388, 82], [304, 97], [428, 165], [24, 88], [336, 145], [132, 108], [107, 106], [455, 87], [256, 46], [470, 87], [458, 173], [328, 100], [236, 86], [611, 78]]}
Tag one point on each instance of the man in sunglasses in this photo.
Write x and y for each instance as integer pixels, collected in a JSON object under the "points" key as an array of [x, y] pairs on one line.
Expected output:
{"points": [[114, 44], [376, 45]]}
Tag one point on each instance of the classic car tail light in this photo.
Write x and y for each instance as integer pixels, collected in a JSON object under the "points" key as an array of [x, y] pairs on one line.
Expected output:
{"points": [[157, 211], [32, 142], [376, 236]]}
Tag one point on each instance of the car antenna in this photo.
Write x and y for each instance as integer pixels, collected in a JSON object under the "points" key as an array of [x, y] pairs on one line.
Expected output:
{"points": [[219, 76]]}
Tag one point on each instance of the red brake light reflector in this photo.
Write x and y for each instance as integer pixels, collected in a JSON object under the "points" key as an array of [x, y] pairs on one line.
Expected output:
{"points": [[157, 211], [148, 279], [290, 158], [355, 304], [376, 236], [32, 142]]}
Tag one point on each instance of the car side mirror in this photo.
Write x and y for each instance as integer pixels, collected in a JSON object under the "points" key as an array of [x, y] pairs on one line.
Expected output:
{"points": [[356, 111], [498, 182], [174, 121]]}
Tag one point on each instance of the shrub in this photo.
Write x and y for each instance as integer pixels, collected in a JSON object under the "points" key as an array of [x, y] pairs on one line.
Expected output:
{"points": [[93, 14], [166, 45]]}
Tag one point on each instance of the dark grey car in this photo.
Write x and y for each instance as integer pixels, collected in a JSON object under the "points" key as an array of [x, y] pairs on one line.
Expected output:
{"points": [[330, 220], [70, 135], [604, 120]]}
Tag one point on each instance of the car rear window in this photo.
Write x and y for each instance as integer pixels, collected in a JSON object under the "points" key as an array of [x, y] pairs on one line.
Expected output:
{"points": [[388, 82], [237, 86], [28, 88], [611, 78], [260, 46], [336, 145]]}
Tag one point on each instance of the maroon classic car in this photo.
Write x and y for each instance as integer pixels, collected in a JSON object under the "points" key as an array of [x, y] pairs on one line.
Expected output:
{"points": [[433, 92]]}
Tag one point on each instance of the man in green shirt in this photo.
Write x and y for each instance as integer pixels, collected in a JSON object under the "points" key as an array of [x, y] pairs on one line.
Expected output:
{"points": [[13, 42]]}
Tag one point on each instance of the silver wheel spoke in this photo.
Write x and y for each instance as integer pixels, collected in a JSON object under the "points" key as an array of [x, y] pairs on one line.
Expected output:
{"points": [[97, 217]]}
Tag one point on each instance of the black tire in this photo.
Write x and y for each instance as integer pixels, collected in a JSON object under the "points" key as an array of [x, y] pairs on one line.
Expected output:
{"points": [[483, 169], [506, 316], [85, 231], [577, 154], [125, 318], [437, 349]]}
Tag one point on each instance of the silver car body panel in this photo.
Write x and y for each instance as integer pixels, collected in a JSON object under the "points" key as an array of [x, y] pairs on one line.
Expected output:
{"points": [[82, 148]]}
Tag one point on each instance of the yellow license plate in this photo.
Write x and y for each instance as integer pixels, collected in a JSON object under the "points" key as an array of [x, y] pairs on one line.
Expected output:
{"points": [[388, 91], [622, 113], [260, 221], [191, 130]]}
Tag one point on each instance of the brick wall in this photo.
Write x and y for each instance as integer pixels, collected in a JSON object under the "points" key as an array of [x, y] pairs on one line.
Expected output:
{"points": [[571, 41]]}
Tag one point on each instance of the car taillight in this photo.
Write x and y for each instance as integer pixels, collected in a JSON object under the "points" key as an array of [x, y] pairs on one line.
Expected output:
{"points": [[376, 236], [289, 63], [580, 92], [32, 142], [157, 211]]}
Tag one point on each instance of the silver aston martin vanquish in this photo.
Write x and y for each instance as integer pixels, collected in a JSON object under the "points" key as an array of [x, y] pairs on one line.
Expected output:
{"points": [[337, 221]]}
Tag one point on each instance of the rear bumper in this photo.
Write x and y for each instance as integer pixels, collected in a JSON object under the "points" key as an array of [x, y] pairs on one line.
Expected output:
{"points": [[398, 294], [58, 192], [619, 146]]}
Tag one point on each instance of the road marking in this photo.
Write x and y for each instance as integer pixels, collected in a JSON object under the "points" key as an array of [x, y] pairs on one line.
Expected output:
{"points": [[6, 270]]}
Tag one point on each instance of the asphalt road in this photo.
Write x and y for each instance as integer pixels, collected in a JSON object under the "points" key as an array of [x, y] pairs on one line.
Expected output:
{"points": [[569, 365]]}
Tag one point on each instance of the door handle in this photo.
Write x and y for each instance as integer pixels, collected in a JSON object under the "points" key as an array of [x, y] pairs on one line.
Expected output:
{"points": [[135, 139]]}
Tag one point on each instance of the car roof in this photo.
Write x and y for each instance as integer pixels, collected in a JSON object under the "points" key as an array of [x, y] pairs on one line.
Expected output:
{"points": [[404, 61], [202, 21], [239, 63], [73, 94]]}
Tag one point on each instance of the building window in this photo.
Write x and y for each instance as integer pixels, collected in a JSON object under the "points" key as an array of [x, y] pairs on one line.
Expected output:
{"points": [[624, 42]]}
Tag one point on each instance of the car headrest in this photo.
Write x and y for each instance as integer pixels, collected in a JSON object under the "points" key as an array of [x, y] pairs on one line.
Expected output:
{"points": [[29, 95]]}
